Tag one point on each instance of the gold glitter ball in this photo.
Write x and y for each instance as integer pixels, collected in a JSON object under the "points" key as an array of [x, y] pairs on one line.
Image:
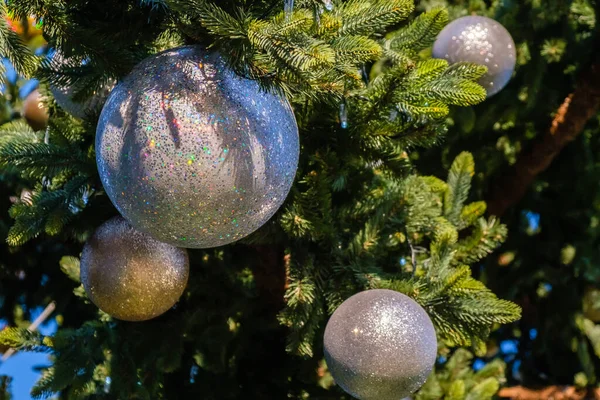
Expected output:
{"points": [[131, 276]]}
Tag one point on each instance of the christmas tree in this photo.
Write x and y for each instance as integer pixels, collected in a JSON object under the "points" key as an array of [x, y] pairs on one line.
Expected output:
{"points": [[389, 147]]}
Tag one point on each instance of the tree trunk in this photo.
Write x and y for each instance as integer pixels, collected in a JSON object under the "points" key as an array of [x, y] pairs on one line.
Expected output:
{"points": [[569, 122], [550, 392]]}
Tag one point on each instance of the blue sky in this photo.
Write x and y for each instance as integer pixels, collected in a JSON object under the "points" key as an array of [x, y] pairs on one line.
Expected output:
{"points": [[21, 365]]}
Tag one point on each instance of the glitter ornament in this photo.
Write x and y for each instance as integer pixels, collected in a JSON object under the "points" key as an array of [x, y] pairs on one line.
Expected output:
{"points": [[63, 94], [483, 41], [131, 276], [35, 111], [380, 345], [193, 154]]}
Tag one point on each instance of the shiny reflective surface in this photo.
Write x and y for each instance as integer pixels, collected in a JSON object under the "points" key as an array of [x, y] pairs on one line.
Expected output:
{"points": [[193, 154], [380, 345], [483, 41], [35, 111], [131, 276]]}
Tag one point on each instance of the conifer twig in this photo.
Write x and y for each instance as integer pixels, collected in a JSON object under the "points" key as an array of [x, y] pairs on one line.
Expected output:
{"points": [[33, 327], [569, 122]]}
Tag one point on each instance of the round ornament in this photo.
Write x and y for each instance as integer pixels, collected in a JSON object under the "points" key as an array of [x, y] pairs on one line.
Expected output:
{"points": [[35, 111], [483, 41], [193, 154], [63, 94], [131, 276], [380, 345]]}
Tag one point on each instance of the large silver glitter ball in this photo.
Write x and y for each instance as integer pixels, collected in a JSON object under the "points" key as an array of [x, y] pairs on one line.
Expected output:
{"points": [[193, 154], [483, 41], [131, 276], [380, 345], [63, 94]]}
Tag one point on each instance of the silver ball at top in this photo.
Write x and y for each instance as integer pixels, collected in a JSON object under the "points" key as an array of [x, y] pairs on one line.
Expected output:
{"points": [[193, 154], [483, 41], [380, 345], [63, 94]]}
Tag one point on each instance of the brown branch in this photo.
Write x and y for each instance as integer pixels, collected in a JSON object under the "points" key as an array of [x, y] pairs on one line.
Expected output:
{"points": [[577, 109], [550, 392]]}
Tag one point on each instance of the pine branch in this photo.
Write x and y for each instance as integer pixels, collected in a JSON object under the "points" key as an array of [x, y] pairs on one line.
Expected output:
{"points": [[40, 159], [48, 211], [471, 213], [421, 33], [24, 339], [484, 390], [70, 266], [361, 17], [216, 20], [483, 241], [356, 49], [12, 47], [459, 184], [304, 309], [428, 89], [462, 308]]}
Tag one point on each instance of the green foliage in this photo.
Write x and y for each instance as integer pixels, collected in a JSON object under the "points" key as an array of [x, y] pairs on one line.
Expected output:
{"points": [[50, 208], [549, 263], [358, 205], [13, 47], [553, 50], [23, 339], [461, 307], [421, 32], [456, 379], [320, 59], [305, 310], [459, 183], [70, 266], [77, 356]]}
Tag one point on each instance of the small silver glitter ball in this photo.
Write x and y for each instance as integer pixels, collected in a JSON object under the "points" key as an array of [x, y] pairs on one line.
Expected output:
{"points": [[131, 276], [380, 345], [483, 41], [63, 94], [193, 154]]}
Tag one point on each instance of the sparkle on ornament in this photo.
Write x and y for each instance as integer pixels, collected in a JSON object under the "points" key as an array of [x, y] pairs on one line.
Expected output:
{"points": [[380, 344], [195, 130], [129, 275], [479, 40]]}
